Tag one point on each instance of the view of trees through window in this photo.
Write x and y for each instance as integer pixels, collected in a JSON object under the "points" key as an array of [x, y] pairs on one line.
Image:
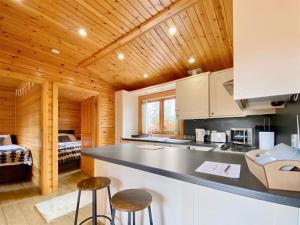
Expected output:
{"points": [[152, 117], [169, 116], [159, 116]]}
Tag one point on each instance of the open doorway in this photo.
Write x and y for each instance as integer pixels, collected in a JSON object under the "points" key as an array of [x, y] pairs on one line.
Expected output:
{"points": [[75, 128], [20, 138]]}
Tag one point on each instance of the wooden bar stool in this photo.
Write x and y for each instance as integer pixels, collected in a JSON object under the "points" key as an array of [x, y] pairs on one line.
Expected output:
{"points": [[131, 201], [93, 184]]}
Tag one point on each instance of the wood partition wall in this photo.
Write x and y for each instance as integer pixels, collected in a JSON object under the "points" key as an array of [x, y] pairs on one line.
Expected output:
{"points": [[29, 126], [7, 110]]}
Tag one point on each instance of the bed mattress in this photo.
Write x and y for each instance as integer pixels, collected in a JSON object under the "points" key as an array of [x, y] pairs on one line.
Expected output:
{"points": [[14, 155], [68, 151]]}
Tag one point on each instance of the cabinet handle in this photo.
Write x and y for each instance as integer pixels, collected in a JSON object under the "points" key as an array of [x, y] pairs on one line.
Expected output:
{"points": [[212, 113]]}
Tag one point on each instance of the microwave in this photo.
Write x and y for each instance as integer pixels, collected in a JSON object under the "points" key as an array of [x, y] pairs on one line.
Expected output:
{"points": [[241, 136]]}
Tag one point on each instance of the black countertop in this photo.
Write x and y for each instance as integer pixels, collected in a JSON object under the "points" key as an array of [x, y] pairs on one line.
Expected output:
{"points": [[181, 164], [171, 141]]}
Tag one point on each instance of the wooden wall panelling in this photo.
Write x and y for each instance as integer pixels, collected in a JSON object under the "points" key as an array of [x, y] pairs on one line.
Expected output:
{"points": [[15, 66], [28, 127], [7, 110], [44, 158], [69, 114], [55, 112], [107, 118]]}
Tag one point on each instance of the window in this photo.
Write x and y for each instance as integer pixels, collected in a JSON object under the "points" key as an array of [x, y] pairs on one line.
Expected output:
{"points": [[158, 113]]}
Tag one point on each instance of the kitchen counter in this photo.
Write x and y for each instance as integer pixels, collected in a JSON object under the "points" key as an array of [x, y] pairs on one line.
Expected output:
{"points": [[171, 141], [180, 164]]}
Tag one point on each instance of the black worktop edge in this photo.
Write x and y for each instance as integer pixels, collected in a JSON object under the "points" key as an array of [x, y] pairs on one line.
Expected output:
{"points": [[194, 143], [264, 196]]}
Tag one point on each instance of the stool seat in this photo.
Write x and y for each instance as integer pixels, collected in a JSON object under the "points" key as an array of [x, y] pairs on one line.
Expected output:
{"points": [[131, 200], [93, 183]]}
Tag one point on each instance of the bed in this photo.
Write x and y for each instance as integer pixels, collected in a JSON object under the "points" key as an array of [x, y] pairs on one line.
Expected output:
{"points": [[15, 161], [69, 151]]}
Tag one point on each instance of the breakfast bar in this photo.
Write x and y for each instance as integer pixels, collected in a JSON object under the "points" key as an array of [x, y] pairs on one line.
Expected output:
{"points": [[183, 196]]}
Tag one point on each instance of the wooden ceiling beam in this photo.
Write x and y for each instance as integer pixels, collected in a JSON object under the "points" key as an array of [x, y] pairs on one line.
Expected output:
{"points": [[145, 26]]}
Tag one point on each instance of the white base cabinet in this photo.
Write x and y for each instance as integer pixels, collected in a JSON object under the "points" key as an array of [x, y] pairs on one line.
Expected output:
{"points": [[179, 203]]}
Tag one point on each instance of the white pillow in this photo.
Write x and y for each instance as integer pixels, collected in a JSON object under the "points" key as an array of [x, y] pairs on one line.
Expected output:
{"points": [[72, 137], [7, 139]]}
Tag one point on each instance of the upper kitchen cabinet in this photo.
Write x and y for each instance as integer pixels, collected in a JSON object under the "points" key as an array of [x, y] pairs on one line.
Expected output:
{"points": [[222, 103], [126, 114], [192, 97], [266, 48]]}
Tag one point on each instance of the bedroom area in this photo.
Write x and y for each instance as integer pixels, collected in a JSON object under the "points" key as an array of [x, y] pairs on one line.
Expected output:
{"points": [[20, 137], [76, 128]]}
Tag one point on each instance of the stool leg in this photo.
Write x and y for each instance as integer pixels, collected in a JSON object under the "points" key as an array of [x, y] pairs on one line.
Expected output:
{"points": [[113, 217], [133, 214], [77, 207], [94, 208], [109, 197], [150, 215], [129, 218]]}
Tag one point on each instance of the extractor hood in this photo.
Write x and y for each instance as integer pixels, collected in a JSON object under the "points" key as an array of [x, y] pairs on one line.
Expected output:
{"points": [[258, 103]]}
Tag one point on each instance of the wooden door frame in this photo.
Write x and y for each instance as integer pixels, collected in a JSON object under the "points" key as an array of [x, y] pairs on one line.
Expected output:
{"points": [[56, 86]]}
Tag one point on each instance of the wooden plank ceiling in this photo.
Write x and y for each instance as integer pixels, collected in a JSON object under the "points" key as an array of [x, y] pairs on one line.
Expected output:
{"points": [[31, 28]]}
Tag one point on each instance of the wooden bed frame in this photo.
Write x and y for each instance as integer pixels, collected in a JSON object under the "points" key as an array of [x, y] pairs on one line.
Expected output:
{"points": [[70, 165]]}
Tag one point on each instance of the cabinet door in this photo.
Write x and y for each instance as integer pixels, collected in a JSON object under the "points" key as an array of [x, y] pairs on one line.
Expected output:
{"points": [[266, 48], [192, 97], [222, 103]]}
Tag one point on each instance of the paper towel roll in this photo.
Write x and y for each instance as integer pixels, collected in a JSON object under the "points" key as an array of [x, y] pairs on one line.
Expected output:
{"points": [[266, 140]]}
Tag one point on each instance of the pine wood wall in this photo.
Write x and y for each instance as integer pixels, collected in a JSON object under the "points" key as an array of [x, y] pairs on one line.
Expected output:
{"points": [[107, 118], [7, 110], [69, 113], [28, 127]]}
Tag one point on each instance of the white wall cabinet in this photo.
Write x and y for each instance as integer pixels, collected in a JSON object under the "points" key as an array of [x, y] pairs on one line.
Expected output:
{"points": [[222, 103], [266, 48], [126, 114], [192, 97]]}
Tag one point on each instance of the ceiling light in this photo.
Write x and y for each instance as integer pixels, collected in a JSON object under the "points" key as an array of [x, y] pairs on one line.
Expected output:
{"points": [[191, 60], [145, 75], [121, 56], [82, 32], [172, 30], [55, 51]]}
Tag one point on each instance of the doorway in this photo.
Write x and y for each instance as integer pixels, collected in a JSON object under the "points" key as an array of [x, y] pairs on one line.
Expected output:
{"points": [[75, 128]]}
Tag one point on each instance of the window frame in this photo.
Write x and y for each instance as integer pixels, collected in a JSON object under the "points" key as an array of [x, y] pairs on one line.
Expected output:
{"points": [[158, 97]]}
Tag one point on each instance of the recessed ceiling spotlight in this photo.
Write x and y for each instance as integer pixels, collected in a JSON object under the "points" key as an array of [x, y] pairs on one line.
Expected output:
{"points": [[172, 30], [191, 60], [121, 56], [82, 32], [145, 75], [55, 51]]}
